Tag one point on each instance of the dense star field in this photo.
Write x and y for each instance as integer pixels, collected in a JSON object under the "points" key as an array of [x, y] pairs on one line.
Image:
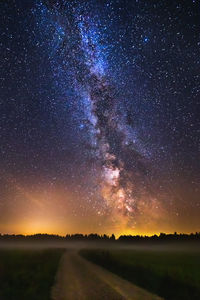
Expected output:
{"points": [[99, 116]]}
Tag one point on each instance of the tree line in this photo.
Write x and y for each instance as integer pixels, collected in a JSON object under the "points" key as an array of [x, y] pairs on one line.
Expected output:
{"points": [[162, 237]]}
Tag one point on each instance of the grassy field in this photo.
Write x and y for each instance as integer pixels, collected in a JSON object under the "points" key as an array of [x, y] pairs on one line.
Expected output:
{"points": [[27, 274], [173, 275]]}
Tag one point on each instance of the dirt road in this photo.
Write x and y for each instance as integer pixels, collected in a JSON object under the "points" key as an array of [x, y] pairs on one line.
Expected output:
{"points": [[79, 279]]}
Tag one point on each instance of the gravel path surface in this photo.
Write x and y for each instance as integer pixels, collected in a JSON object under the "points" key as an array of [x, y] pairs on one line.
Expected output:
{"points": [[79, 279]]}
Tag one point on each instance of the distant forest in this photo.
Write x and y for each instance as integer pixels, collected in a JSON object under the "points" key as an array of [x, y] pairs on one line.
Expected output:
{"points": [[162, 237]]}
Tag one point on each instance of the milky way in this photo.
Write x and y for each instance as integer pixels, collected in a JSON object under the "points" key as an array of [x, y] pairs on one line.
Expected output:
{"points": [[105, 107], [123, 183]]}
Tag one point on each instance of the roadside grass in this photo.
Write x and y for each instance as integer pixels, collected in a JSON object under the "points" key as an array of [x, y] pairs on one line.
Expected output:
{"points": [[28, 274], [170, 274]]}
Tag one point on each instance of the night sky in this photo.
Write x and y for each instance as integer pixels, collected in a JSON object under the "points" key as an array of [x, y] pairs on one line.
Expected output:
{"points": [[99, 116]]}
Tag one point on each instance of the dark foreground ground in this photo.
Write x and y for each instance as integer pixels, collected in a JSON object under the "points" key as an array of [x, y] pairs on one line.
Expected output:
{"points": [[27, 274], [172, 274], [106, 273]]}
